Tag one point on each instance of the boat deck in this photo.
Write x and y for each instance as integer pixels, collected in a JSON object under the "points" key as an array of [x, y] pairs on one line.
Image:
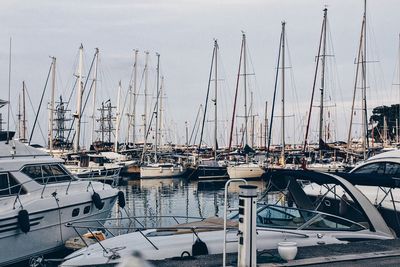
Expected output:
{"points": [[363, 253]]}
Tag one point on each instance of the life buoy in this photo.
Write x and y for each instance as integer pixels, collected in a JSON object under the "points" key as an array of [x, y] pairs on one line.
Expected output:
{"points": [[23, 221], [97, 201], [121, 199]]}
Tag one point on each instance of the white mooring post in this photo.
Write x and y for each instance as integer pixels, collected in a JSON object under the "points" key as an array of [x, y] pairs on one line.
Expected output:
{"points": [[247, 252]]}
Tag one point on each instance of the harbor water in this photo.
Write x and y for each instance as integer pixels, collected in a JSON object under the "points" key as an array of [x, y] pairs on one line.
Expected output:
{"points": [[154, 199]]}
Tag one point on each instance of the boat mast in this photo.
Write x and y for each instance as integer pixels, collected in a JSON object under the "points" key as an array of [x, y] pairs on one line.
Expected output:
{"points": [[321, 107], [156, 109], [398, 120], [251, 120], [234, 103], [117, 118], [315, 81], [359, 60], [266, 125], [160, 116], [94, 96], [283, 93], [145, 101], [19, 116], [133, 115], [9, 93], [245, 88], [208, 93], [215, 99], [23, 114], [53, 87], [79, 101], [364, 86]]}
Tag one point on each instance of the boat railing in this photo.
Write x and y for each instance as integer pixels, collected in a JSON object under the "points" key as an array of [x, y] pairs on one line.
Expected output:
{"points": [[103, 175], [42, 181], [88, 226]]}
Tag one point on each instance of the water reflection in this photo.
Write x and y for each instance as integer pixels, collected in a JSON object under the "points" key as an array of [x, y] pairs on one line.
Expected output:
{"points": [[153, 198]]}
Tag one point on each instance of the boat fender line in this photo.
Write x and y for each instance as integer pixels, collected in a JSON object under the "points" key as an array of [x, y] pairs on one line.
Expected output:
{"points": [[97, 201], [199, 248], [121, 199], [23, 221]]}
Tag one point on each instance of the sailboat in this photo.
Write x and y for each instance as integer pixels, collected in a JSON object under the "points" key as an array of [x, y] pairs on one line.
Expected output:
{"points": [[159, 169], [243, 169], [211, 168], [362, 147], [322, 162]]}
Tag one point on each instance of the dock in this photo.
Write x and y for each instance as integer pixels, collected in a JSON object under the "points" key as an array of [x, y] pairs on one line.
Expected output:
{"points": [[363, 253]]}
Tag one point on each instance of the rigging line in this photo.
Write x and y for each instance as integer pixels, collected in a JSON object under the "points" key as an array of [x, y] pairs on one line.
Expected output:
{"points": [[34, 112], [274, 98], [314, 85], [194, 125], [40, 104], [87, 96], [206, 103], [293, 83], [235, 99]]}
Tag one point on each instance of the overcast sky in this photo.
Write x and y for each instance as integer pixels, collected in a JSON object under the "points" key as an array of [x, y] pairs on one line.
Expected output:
{"points": [[182, 31]]}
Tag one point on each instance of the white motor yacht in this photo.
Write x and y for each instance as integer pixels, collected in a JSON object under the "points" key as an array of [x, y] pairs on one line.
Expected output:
{"points": [[38, 196], [275, 223]]}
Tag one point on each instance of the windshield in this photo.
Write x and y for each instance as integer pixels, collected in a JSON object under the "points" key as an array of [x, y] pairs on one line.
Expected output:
{"points": [[274, 216]]}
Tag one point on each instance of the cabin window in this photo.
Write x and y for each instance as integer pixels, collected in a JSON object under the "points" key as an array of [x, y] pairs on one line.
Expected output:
{"points": [[47, 173], [392, 169], [9, 186], [375, 168], [35, 172], [86, 210], [75, 212]]}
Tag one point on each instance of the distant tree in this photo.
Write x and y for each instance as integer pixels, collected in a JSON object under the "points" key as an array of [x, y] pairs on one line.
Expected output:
{"points": [[378, 114]]}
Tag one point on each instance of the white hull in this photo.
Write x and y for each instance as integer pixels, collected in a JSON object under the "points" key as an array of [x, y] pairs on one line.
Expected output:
{"points": [[182, 243], [245, 171], [161, 171], [47, 219]]}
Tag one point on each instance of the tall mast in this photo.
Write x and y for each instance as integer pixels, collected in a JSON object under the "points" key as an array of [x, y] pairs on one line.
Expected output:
{"points": [[156, 109], [23, 113], [145, 100], [79, 101], [364, 86], [398, 120], [314, 83], [134, 99], [160, 115], [251, 120], [234, 103], [215, 99], [321, 107], [118, 118], [94, 96], [132, 116], [53, 88], [283, 92], [19, 116], [9, 93], [359, 60], [266, 125], [245, 89]]}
